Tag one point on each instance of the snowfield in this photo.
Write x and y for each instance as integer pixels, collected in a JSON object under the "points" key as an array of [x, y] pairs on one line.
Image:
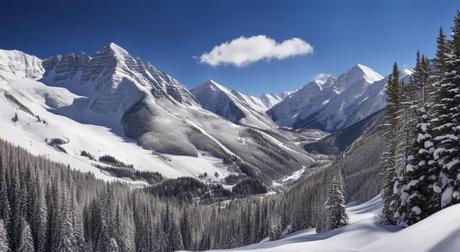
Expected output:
{"points": [[31, 134], [438, 233]]}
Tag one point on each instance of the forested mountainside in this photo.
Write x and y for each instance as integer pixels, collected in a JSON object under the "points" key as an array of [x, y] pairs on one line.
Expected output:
{"points": [[50, 207]]}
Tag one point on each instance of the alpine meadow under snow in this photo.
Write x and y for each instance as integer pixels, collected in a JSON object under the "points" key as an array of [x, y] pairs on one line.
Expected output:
{"points": [[105, 152]]}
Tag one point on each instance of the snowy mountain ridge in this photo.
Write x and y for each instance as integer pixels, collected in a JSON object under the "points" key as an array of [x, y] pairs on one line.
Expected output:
{"points": [[233, 105], [332, 103]]}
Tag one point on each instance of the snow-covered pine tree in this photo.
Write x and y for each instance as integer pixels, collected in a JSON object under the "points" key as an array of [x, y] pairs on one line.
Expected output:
{"points": [[5, 209], [4, 245], [39, 219], [335, 204], [66, 240], [274, 228], [440, 121], [185, 230], [26, 243], [447, 152], [420, 175], [172, 229], [391, 124]]}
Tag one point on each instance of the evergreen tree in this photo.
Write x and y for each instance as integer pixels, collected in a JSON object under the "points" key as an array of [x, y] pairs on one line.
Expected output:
{"points": [[39, 219], [26, 243], [185, 230], [5, 210], [4, 244], [335, 204], [391, 123], [447, 130], [420, 175], [274, 229]]}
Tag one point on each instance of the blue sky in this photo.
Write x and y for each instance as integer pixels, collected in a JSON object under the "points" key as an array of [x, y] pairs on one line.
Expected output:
{"points": [[173, 34]]}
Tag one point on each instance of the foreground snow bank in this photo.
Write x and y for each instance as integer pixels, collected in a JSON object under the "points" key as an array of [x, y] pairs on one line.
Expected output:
{"points": [[440, 232]]}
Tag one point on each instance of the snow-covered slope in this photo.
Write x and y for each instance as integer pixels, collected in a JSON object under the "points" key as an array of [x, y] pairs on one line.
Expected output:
{"points": [[34, 103], [233, 105], [437, 233], [112, 103]]}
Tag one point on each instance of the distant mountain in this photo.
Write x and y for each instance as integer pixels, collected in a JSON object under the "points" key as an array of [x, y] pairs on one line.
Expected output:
{"points": [[260, 103], [233, 105], [333, 103], [112, 103], [304, 102]]}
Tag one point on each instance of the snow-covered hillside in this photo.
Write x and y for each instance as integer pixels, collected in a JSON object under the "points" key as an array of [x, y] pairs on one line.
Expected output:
{"points": [[439, 232], [36, 124], [334, 103], [112, 103]]}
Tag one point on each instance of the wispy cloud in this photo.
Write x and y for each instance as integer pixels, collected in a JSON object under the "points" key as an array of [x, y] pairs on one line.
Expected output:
{"points": [[243, 51]]}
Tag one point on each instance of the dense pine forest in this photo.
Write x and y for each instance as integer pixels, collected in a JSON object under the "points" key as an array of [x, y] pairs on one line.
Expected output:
{"points": [[46, 206]]}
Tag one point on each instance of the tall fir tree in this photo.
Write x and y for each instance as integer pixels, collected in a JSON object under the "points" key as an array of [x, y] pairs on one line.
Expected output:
{"points": [[335, 204], [26, 243], [391, 124], [447, 130], [420, 175], [4, 244]]}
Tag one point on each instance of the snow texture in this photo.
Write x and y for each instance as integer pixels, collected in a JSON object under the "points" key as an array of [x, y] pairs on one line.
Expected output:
{"points": [[439, 232]]}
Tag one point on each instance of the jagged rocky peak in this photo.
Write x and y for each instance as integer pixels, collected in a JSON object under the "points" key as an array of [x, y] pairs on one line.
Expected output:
{"points": [[21, 64], [109, 67]]}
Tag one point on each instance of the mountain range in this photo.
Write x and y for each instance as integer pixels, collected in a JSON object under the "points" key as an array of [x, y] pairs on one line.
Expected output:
{"points": [[112, 103]]}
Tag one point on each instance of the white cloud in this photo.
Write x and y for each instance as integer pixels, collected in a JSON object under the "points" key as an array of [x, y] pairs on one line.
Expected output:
{"points": [[246, 50]]}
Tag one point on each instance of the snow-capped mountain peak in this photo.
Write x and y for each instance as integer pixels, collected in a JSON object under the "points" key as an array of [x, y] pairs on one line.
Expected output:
{"points": [[332, 103], [362, 71], [214, 86], [118, 50]]}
